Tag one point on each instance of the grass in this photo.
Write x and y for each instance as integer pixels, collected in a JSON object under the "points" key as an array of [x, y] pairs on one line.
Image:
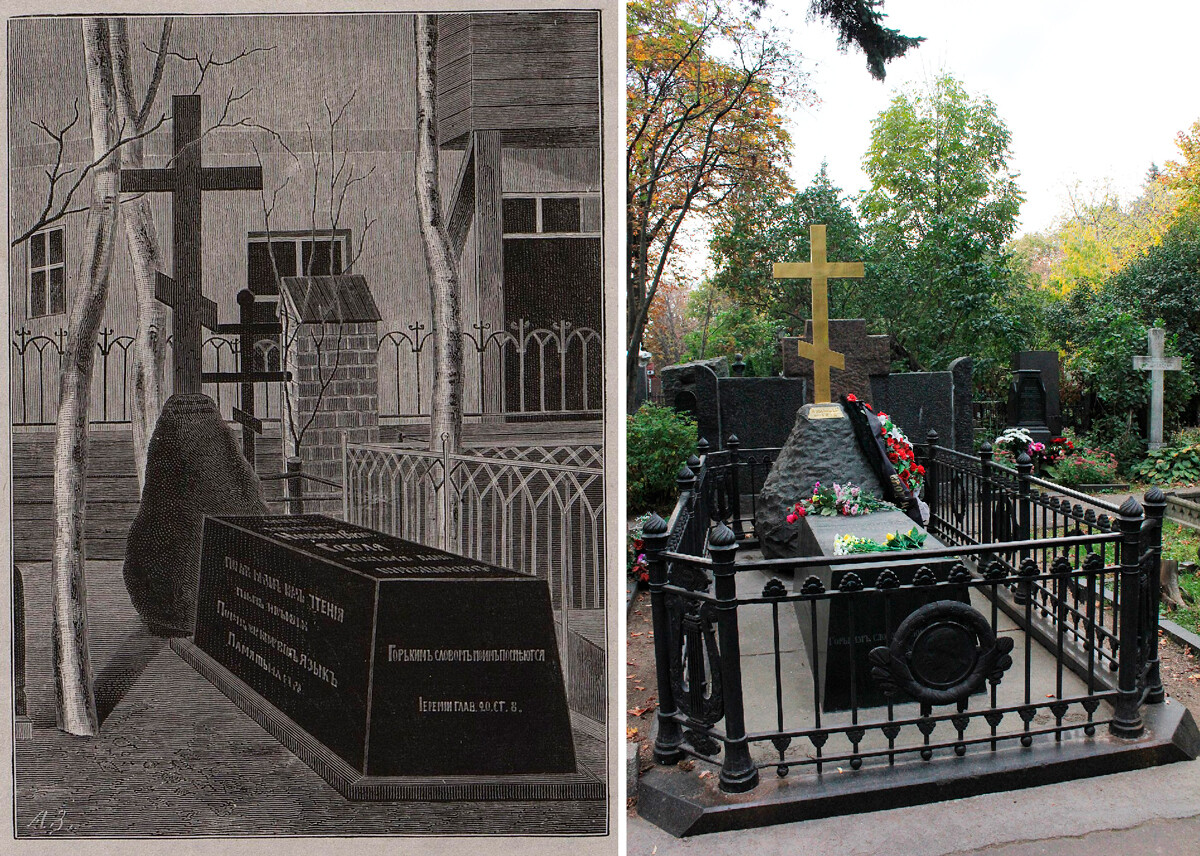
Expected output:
{"points": [[1181, 543]]}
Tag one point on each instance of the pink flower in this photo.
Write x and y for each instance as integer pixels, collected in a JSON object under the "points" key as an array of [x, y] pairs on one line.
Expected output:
{"points": [[792, 518]]}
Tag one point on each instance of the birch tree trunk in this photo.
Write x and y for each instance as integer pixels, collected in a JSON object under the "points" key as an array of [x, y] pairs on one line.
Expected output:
{"points": [[75, 701], [149, 344], [446, 420]]}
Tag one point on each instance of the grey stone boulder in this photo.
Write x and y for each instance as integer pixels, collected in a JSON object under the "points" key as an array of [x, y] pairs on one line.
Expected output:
{"points": [[823, 450], [194, 468]]}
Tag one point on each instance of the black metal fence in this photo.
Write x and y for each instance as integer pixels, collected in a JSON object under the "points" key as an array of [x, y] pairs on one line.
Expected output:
{"points": [[524, 373], [1038, 619]]}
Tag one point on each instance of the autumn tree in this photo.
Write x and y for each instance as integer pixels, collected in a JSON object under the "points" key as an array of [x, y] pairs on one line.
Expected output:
{"points": [[942, 204], [706, 87]]}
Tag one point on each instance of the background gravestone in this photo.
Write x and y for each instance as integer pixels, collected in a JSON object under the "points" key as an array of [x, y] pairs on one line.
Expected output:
{"points": [[1046, 364], [961, 370], [818, 449], [692, 388], [1027, 404], [194, 467], [866, 357], [759, 410]]}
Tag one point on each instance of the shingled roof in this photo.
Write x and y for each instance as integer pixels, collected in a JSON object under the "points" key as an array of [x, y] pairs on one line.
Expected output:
{"points": [[331, 299]]}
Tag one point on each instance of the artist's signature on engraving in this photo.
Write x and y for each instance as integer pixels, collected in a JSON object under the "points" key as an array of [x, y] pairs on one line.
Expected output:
{"points": [[49, 822]]}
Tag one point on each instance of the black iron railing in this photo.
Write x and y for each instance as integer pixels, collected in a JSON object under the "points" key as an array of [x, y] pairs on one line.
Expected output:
{"points": [[1037, 619]]}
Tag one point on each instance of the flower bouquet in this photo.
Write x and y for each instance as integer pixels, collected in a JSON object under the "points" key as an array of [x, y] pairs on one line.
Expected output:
{"points": [[900, 453], [844, 545], [841, 499]]}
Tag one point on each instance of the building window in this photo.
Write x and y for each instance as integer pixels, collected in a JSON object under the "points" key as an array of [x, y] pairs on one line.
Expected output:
{"points": [[296, 254], [552, 215], [47, 274]]}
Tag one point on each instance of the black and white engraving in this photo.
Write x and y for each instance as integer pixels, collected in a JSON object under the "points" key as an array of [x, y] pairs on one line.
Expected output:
{"points": [[310, 423]]}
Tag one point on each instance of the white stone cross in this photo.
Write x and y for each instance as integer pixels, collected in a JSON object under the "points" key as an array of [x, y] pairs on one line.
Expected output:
{"points": [[1156, 364]]}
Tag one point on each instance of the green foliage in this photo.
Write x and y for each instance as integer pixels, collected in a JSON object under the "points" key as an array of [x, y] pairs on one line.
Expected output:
{"points": [[1165, 284], [760, 229], [859, 22], [722, 327], [1091, 466], [1175, 463], [941, 206], [658, 442]]}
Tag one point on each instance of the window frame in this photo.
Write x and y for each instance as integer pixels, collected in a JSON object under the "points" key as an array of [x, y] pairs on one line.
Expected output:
{"points": [[581, 195], [45, 268]]}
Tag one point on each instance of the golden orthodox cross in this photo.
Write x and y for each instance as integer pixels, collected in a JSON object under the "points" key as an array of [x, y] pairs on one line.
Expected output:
{"points": [[819, 270]]}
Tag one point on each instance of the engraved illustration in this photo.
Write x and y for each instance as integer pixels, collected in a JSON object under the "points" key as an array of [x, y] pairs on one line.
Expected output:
{"points": [[307, 396]]}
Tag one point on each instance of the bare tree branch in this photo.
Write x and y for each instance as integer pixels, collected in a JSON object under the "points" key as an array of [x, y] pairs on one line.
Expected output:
{"points": [[160, 61], [212, 62], [47, 218]]}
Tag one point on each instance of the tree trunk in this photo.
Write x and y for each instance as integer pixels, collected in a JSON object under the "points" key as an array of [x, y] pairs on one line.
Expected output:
{"points": [[446, 421], [76, 703], [149, 345]]}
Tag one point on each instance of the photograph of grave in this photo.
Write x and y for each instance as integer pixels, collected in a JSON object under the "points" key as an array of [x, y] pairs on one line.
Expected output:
{"points": [[310, 424], [948, 622]]}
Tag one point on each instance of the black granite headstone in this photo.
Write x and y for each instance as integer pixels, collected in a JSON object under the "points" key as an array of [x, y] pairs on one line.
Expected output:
{"points": [[692, 388], [401, 659], [1027, 404], [1046, 364]]}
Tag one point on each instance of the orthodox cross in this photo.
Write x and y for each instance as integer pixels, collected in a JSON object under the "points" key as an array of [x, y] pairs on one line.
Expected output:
{"points": [[186, 179], [819, 271], [1156, 364]]}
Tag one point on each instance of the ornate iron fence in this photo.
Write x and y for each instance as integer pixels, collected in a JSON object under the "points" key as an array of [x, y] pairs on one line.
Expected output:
{"points": [[1039, 620], [36, 370], [545, 519], [525, 371]]}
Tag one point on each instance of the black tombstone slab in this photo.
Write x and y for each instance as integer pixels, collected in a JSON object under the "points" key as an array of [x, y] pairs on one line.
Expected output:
{"points": [[1046, 364], [392, 661], [848, 627], [1027, 404], [759, 410]]}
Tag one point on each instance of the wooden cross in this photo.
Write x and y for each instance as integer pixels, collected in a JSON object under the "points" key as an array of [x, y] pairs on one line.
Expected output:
{"points": [[819, 271], [1156, 364], [186, 180]]}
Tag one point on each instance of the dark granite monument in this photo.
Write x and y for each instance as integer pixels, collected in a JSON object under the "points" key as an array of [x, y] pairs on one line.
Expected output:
{"points": [[867, 357], [1027, 404], [692, 388], [844, 639], [822, 447], [194, 468], [921, 401], [1046, 364], [393, 669]]}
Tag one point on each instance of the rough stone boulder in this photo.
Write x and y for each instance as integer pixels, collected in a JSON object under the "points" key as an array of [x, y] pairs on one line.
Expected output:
{"points": [[817, 449], [193, 468]]}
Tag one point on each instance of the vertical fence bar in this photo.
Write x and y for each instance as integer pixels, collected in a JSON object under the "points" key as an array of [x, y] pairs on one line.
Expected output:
{"points": [[735, 490], [931, 481], [985, 500], [738, 773], [1156, 507], [1127, 716], [670, 736], [1024, 471]]}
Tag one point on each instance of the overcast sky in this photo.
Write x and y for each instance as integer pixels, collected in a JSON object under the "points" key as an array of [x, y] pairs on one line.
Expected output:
{"points": [[1091, 91]]}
